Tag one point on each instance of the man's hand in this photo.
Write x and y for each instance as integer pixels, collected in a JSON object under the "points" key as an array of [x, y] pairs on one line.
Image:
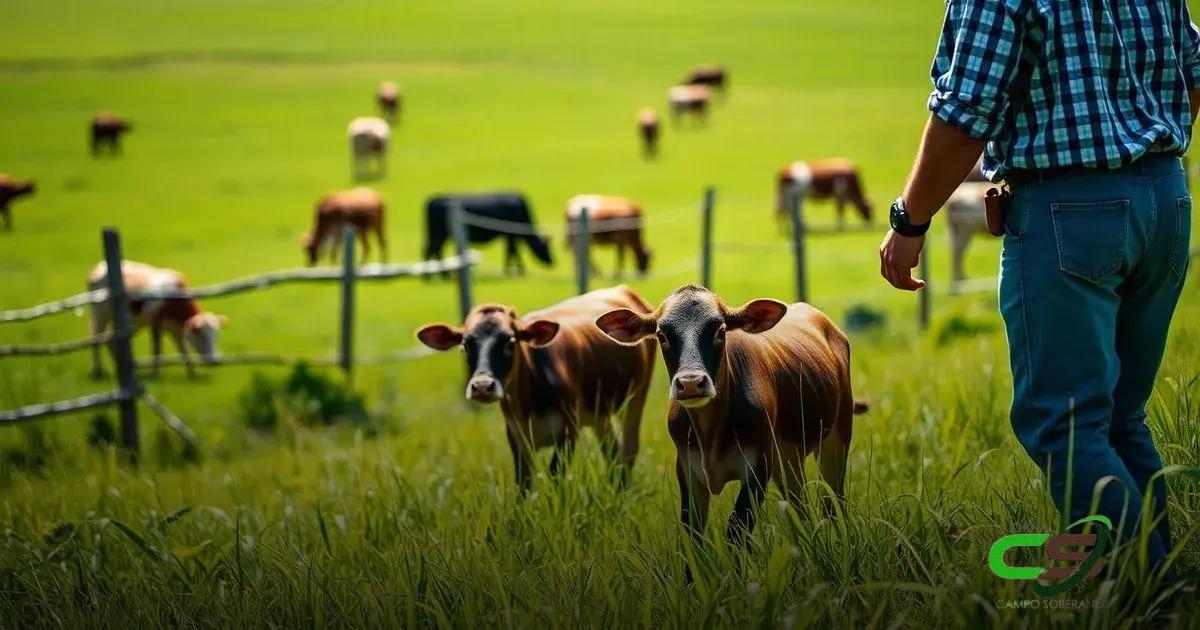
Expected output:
{"points": [[898, 256]]}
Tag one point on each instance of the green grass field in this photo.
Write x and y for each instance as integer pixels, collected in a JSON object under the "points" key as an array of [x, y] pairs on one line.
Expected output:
{"points": [[413, 520]]}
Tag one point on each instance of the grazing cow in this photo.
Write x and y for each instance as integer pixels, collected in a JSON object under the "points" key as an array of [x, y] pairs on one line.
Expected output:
{"points": [[107, 130], [754, 390], [554, 373], [12, 189], [647, 122], [507, 214], [361, 208], [713, 76], [834, 178], [693, 99], [388, 97], [613, 221], [967, 216], [182, 318], [368, 146]]}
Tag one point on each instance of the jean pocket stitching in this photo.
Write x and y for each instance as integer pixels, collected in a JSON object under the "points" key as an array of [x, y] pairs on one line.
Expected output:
{"points": [[1060, 209], [1179, 252]]}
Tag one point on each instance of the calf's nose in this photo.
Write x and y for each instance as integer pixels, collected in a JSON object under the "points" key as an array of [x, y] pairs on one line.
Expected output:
{"points": [[691, 385], [483, 389]]}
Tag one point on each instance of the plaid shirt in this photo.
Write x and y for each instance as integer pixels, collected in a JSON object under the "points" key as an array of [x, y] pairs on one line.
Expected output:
{"points": [[1053, 83]]}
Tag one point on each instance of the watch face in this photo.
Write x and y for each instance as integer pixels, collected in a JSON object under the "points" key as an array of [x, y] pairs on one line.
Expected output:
{"points": [[898, 217]]}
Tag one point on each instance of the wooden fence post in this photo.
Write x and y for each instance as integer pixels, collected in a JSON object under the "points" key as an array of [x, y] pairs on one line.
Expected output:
{"points": [[796, 213], [706, 218], [925, 294], [458, 228], [582, 258], [122, 345], [346, 355]]}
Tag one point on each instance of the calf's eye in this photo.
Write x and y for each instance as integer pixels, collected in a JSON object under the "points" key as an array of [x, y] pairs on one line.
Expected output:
{"points": [[662, 339], [510, 346]]}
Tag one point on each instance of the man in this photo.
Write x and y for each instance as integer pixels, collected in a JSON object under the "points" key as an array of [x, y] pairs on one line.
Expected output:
{"points": [[1083, 108]]}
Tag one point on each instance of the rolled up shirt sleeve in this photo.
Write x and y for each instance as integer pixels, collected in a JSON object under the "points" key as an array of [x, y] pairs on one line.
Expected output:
{"points": [[977, 59]]}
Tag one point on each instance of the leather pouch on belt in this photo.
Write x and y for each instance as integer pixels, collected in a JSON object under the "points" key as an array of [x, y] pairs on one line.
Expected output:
{"points": [[996, 205]]}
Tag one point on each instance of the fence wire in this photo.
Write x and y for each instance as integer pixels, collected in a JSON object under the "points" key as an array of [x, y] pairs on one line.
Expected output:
{"points": [[41, 410], [595, 226], [55, 348]]}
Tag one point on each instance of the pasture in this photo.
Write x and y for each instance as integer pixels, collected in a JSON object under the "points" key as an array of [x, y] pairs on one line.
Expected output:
{"points": [[412, 517]]}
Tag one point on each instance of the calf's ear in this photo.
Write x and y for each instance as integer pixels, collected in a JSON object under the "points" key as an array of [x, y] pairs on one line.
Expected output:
{"points": [[626, 326], [756, 316], [440, 336], [539, 333]]}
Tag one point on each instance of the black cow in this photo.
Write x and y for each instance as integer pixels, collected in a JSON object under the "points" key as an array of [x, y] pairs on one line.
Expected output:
{"points": [[490, 208]]}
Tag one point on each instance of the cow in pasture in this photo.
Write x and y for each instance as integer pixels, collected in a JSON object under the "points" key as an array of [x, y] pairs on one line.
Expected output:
{"points": [[710, 75], [107, 129], [389, 99], [689, 99], [182, 318], [11, 189], [499, 214], [360, 208], [554, 373], [753, 391], [648, 129], [966, 216], [615, 221], [835, 178], [368, 146]]}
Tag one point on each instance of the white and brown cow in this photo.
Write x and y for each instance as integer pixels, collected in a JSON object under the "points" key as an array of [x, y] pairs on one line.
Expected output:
{"points": [[368, 146], [712, 75], [554, 373], [360, 208], [966, 215], [834, 178], [181, 318], [754, 390], [689, 99], [107, 129], [11, 189], [648, 129], [389, 100], [615, 221]]}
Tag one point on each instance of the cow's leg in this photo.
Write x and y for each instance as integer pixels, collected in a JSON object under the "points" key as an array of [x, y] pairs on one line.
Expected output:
{"points": [[631, 424], [832, 455], [791, 479], [365, 244], [510, 255], [183, 352], [693, 506], [564, 450], [522, 454], [745, 510], [381, 238], [960, 238], [6, 213], [155, 347], [620, 270]]}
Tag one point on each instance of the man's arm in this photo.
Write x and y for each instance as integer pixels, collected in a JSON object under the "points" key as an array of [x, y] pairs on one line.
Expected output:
{"points": [[945, 158]]}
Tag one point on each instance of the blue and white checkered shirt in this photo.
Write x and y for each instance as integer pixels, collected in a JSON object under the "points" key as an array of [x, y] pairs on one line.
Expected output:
{"points": [[1055, 83]]}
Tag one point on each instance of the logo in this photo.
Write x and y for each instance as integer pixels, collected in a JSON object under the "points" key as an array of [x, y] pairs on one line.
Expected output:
{"points": [[1053, 580]]}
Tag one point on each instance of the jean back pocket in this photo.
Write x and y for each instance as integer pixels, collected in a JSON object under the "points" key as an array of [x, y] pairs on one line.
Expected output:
{"points": [[1180, 255], [1091, 237]]}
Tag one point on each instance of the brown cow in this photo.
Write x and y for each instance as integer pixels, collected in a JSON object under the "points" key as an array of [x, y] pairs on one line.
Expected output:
{"points": [[689, 99], [182, 318], [754, 390], [388, 97], [12, 189], [107, 129], [711, 75], [553, 373], [833, 178], [613, 221], [647, 122], [361, 208]]}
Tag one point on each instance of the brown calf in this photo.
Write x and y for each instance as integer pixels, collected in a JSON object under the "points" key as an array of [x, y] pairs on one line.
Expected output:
{"points": [[182, 318], [613, 221], [553, 373], [689, 99], [711, 75], [361, 208], [388, 98], [107, 130], [754, 391], [12, 189], [834, 178], [647, 122]]}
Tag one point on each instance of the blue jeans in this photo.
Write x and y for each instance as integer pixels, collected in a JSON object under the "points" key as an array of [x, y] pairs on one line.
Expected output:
{"points": [[1092, 268]]}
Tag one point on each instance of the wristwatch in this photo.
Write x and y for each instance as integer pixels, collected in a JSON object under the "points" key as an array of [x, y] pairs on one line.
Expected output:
{"points": [[900, 223]]}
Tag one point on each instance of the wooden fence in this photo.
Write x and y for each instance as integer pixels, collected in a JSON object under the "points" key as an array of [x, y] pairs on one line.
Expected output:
{"points": [[129, 389]]}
